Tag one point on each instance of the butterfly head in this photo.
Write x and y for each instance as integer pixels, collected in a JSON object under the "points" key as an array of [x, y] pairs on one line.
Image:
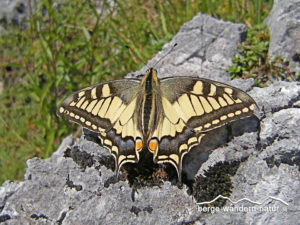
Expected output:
{"points": [[150, 78]]}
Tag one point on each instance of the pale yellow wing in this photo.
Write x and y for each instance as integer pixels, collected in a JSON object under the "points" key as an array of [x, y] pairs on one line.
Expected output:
{"points": [[189, 108], [109, 109]]}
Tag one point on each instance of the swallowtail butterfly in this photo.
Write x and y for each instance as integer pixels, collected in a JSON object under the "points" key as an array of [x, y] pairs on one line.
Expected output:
{"points": [[164, 116]]}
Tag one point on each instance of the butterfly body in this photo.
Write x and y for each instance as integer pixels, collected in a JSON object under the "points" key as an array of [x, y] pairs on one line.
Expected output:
{"points": [[166, 116]]}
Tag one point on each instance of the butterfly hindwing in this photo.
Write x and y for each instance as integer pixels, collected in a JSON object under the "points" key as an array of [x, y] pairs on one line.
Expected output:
{"points": [[171, 141], [110, 110]]}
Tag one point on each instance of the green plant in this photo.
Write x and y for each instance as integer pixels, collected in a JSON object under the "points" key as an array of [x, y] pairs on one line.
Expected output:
{"points": [[244, 11], [253, 61]]}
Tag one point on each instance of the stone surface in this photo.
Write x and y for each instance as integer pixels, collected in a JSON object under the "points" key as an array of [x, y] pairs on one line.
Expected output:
{"points": [[205, 47], [76, 184], [284, 25], [12, 11]]}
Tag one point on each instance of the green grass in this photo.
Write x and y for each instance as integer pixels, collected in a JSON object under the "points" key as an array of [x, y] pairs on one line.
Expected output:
{"points": [[72, 46]]}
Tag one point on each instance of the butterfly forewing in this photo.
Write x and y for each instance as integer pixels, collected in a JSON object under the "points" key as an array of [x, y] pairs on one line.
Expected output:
{"points": [[203, 104]]}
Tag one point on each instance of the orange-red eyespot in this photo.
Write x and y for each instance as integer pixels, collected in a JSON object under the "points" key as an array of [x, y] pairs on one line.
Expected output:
{"points": [[152, 145], [138, 144]]}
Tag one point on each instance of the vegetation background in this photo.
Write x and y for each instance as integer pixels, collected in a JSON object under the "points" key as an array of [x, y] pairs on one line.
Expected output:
{"points": [[74, 44]]}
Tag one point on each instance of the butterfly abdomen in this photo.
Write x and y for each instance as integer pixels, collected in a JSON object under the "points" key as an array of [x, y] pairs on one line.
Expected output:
{"points": [[147, 105]]}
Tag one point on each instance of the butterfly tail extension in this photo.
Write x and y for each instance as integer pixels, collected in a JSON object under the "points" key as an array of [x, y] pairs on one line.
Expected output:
{"points": [[170, 150], [184, 149]]}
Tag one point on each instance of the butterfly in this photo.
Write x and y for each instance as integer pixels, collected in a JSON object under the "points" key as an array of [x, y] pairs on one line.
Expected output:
{"points": [[164, 116]]}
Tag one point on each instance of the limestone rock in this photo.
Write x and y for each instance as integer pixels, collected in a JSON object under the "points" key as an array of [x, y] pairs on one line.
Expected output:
{"points": [[284, 25]]}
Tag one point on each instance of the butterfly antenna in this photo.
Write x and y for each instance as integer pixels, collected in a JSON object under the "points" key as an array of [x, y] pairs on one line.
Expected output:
{"points": [[164, 56], [133, 55]]}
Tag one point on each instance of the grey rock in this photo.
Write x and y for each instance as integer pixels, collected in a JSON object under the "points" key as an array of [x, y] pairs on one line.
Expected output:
{"points": [[76, 185], [283, 149], [281, 95], [12, 11], [205, 47], [256, 181], [284, 25]]}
